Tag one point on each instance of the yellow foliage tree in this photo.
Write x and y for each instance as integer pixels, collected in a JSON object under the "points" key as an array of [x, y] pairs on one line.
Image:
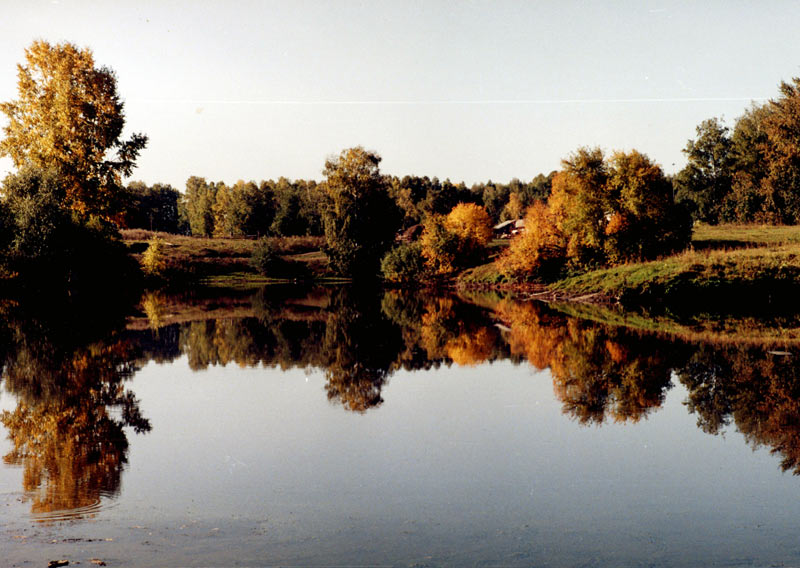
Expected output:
{"points": [[470, 222], [538, 249], [69, 118], [153, 259], [456, 240], [600, 212]]}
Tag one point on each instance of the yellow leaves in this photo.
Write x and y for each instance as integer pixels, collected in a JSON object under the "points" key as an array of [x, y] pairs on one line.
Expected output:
{"points": [[470, 222], [154, 258], [539, 244], [67, 118], [455, 240]]}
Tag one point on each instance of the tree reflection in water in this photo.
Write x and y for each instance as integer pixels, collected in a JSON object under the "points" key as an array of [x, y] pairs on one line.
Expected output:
{"points": [[599, 372], [755, 388], [68, 431]]}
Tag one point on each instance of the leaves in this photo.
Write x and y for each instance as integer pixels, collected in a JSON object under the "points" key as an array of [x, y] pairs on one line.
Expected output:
{"points": [[360, 218], [68, 117]]}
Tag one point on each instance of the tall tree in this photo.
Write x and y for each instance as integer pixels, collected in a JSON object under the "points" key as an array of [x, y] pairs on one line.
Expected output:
{"points": [[360, 218], [68, 118], [781, 186], [706, 179], [197, 203]]}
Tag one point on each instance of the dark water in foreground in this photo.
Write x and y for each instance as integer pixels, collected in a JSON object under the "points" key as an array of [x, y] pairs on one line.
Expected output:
{"points": [[341, 428]]}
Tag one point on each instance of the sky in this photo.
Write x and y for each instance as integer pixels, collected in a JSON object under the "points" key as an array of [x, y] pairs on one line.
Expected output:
{"points": [[470, 91]]}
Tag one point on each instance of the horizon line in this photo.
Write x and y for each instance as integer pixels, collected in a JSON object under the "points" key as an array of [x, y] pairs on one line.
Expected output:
{"points": [[401, 102]]}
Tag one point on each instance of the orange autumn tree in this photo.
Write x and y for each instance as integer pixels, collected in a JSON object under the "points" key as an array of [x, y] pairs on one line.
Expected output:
{"points": [[601, 212], [456, 240], [69, 118]]}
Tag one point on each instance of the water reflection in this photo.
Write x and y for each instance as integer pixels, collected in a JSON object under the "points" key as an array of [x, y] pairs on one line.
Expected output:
{"points": [[69, 431], [757, 389]]}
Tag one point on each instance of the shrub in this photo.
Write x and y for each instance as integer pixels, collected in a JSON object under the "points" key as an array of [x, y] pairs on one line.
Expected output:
{"points": [[440, 247], [267, 261], [154, 259], [404, 263], [265, 258]]}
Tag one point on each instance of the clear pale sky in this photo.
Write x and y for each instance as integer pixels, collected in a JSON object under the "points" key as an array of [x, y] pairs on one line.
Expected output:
{"points": [[469, 91]]}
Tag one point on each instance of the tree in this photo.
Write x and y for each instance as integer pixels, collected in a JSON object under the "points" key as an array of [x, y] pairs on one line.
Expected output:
{"points": [[514, 209], [404, 263], [780, 189], [198, 202], [539, 249], [154, 258], [68, 118], [600, 212], [470, 222], [706, 179], [473, 226], [49, 246], [643, 221], [288, 204], [577, 203], [360, 218], [154, 208], [440, 246]]}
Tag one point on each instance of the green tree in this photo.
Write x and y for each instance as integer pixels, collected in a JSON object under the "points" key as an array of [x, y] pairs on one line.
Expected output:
{"points": [[706, 180], [780, 189], [69, 118], [441, 247], [198, 202], [48, 245], [152, 207], [749, 141], [288, 219], [643, 222], [578, 205], [404, 263], [360, 218]]}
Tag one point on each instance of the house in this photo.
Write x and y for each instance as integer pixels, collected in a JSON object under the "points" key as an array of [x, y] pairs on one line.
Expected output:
{"points": [[507, 229]]}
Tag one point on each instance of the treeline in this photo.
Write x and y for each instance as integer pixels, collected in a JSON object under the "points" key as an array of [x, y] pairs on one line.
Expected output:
{"points": [[750, 172], [285, 208]]}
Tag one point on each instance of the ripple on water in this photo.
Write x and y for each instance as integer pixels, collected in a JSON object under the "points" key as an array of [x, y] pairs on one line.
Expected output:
{"points": [[88, 507]]}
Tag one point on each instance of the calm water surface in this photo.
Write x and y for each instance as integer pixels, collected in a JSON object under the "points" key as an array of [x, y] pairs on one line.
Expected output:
{"points": [[341, 428]]}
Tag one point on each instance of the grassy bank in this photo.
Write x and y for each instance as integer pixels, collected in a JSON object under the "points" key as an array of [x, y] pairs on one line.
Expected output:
{"points": [[739, 267], [222, 261], [756, 275]]}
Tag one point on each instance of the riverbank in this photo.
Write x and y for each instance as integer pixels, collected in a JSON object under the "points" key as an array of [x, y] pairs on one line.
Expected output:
{"points": [[226, 261], [729, 267]]}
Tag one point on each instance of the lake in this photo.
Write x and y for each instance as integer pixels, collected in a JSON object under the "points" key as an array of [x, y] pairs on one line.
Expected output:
{"points": [[344, 427]]}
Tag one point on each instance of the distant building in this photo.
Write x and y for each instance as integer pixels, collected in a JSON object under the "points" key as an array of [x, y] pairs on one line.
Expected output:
{"points": [[409, 235], [509, 228]]}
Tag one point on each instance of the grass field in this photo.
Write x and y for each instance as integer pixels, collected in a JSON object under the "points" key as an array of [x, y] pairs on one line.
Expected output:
{"points": [[220, 259], [735, 236]]}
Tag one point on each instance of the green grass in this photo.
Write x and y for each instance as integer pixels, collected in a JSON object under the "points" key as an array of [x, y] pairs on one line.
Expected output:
{"points": [[484, 274], [756, 275], [219, 259], [722, 236]]}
